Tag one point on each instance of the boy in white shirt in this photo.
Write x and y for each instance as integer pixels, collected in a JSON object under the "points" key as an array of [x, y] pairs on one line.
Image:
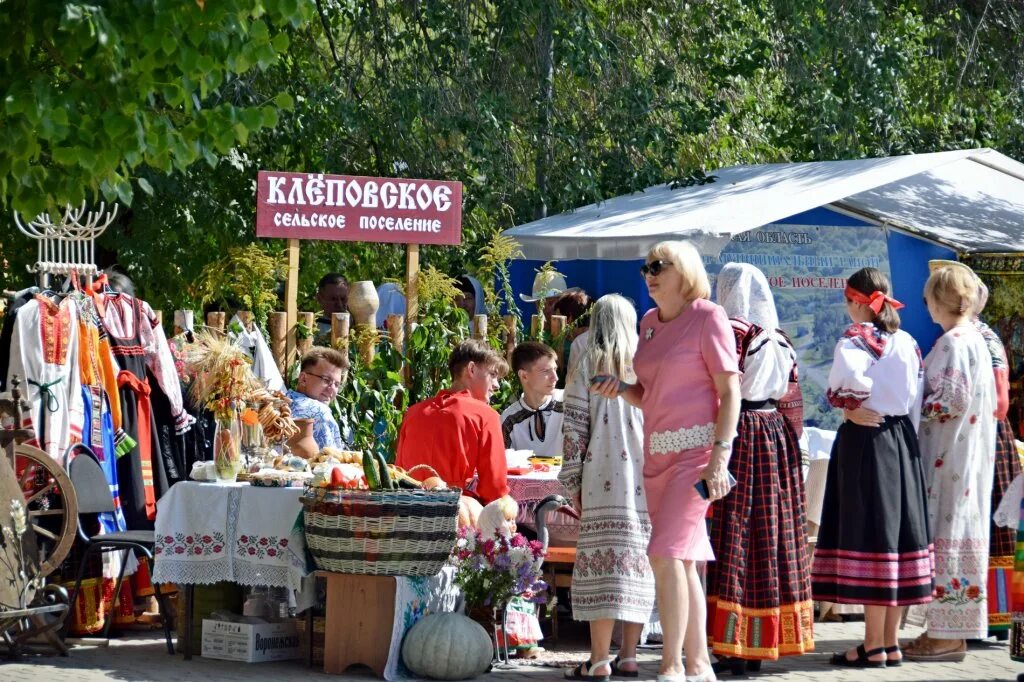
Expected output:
{"points": [[534, 422]]}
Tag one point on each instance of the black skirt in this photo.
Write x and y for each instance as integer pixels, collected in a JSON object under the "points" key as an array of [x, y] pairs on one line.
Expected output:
{"points": [[874, 545]]}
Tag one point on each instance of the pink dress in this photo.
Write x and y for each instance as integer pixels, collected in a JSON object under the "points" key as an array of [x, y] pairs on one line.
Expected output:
{"points": [[675, 362]]}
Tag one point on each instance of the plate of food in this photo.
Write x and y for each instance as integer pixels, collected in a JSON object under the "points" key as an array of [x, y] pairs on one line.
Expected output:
{"points": [[274, 478]]}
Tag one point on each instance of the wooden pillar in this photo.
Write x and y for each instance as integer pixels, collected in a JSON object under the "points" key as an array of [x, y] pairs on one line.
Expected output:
{"points": [[412, 287], [183, 320], [363, 304], [341, 323], [291, 299], [510, 337], [480, 327], [396, 330], [537, 326], [558, 323], [216, 321], [277, 325], [247, 319], [309, 322]]}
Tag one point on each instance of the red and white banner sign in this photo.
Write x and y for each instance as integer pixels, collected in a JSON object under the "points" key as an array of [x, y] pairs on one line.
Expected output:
{"points": [[355, 208]]}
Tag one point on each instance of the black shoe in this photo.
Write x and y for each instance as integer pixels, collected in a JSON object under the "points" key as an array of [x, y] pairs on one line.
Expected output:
{"points": [[863, 659]]}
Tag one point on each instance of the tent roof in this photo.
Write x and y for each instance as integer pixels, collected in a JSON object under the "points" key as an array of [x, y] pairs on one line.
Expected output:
{"points": [[970, 200]]}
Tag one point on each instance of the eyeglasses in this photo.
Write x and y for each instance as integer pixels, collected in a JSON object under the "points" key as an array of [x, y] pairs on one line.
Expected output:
{"points": [[654, 268], [328, 381]]}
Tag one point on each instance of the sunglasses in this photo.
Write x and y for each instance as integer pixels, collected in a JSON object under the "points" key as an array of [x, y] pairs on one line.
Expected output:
{"points": [[654, 268]]}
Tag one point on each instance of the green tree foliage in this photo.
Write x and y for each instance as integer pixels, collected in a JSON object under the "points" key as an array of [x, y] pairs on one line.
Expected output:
{"points": [[640, 93], [93, 91]]}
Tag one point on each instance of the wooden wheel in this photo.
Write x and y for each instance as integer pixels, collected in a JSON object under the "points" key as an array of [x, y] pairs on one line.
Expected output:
{"points": [[50, 503]]}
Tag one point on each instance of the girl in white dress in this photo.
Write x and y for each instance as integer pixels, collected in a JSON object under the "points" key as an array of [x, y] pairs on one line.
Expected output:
{"points": [[958, 440]]}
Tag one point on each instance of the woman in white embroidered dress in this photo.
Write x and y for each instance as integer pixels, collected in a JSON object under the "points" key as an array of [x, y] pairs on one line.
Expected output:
{"points": [[688, 388], [958, 441], [873, 545], [603, 474]]}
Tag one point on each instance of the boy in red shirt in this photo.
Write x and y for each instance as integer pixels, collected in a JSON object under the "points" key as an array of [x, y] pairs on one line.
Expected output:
{"points": [[456, 432]]}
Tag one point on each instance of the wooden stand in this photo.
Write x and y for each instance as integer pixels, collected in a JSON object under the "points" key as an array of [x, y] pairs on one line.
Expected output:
{"points": [[360, 618]]}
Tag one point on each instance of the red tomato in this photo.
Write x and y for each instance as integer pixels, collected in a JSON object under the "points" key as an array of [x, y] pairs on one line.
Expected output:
{"points": [[337, 478]]}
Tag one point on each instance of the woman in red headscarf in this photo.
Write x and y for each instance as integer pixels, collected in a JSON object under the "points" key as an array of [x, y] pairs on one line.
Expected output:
{"points": [[874, 545]]}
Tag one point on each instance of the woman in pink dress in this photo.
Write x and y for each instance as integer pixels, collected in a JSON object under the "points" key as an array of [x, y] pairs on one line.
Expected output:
{"points": [[688, 388]]}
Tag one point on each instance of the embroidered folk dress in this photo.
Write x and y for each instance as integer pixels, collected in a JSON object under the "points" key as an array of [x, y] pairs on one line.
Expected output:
{"points": [[675, 362], [44, 355], [759, 587], [1007, 467], [873, 544], [958, 441], [603, 463]]}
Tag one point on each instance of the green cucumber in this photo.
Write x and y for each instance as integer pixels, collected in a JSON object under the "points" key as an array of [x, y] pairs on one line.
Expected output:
{"points": [[385, 476], [370, 470]]}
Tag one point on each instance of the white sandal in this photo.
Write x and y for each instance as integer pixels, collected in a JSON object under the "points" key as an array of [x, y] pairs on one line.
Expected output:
{"points": [[704, 676]]}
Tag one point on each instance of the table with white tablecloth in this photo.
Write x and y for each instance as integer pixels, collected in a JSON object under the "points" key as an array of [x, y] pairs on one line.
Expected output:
{"points": [[212, 532], [528, 490]]}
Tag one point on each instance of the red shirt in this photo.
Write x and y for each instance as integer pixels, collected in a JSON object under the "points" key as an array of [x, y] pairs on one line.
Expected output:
{"points": [[458, 436]]}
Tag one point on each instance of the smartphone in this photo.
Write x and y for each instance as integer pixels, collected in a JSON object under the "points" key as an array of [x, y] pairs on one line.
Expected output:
{"points": [[600, 378], [702, 486]]}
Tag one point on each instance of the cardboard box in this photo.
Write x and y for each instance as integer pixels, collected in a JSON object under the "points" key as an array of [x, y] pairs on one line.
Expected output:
{"points": [[250, 643]]}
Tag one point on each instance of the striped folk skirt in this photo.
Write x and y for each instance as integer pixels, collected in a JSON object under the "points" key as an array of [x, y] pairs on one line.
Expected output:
{"points": [[758, 587], [1002, 540], [874, 546]]}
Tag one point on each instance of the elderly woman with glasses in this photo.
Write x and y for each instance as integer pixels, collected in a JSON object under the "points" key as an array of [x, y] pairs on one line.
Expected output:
{"points": [[321, 373], [688, 389]]}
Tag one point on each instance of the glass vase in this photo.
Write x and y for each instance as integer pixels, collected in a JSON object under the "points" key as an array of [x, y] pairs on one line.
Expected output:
{"points": [[227, 448]]}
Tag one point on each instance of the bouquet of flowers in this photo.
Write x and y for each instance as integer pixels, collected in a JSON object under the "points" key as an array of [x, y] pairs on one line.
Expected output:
{"points": [[493, 570]]}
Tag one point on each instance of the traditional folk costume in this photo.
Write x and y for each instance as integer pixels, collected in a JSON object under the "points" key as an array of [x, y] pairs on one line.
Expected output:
{"points": [[958, 441], [459, 437], [540, 430], [1017, 595], [1007, 467], [675, 363], [138, 343], [759, 586], [603, 464], [44, 354], [874, 545]]}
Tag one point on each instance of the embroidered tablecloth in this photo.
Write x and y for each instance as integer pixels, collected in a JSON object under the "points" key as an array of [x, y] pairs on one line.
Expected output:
{"points": [[414, 599], [208, 532]]}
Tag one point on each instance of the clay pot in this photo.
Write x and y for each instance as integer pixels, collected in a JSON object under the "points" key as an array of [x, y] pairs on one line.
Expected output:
{"points": [[363, 303], [303, 444]]}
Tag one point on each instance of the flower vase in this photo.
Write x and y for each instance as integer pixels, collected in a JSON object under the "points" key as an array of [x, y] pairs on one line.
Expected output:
{"points": [[227, 448]]}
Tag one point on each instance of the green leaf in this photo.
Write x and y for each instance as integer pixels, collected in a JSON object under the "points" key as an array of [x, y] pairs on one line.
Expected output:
{"points": [[145, 186], [284, 101]]}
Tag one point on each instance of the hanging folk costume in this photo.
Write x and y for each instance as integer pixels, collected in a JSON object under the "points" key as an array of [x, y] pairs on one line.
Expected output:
{"points": [[1007, 467], [44, 354], [759, 586], [958, 441], [874, 545], [101, 428], [137, 342]]}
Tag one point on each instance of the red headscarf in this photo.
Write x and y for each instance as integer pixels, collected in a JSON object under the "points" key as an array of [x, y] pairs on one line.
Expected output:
{"points": [[875, 301]]}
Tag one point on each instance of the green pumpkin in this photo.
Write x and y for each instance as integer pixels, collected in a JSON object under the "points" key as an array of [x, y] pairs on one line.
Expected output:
{"points": [[447, 646]]}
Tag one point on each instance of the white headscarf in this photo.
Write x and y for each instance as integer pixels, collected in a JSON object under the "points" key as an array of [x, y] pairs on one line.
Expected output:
{"points": [[744, 293]]}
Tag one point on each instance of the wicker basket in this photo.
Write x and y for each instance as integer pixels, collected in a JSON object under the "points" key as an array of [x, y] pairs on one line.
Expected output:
{"points": [[381, 532]]}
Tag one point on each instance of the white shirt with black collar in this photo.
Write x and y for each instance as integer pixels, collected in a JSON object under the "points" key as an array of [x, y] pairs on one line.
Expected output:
{"points": [[525, 428]]}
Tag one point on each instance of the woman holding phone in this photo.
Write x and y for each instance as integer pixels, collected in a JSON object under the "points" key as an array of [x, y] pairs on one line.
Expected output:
{"points": [[688, 389]]}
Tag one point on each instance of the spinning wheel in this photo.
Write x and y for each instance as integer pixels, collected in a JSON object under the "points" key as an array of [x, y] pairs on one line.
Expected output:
{"points": [[50, 503]]}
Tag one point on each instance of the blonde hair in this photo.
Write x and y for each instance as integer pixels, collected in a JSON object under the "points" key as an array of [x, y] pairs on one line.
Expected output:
{"points": [[954, 290], [687, 261], [613, 338]]}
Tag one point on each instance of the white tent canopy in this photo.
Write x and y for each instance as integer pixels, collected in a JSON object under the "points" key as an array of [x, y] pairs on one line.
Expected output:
{"points": [[970, 200]]}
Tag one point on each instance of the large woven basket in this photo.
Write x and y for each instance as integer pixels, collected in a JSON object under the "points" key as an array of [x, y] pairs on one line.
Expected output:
{"points": [[381, 532]]}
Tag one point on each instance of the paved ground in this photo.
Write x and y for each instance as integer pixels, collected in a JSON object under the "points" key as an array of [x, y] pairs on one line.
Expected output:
{"points": [[143, 657]]}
